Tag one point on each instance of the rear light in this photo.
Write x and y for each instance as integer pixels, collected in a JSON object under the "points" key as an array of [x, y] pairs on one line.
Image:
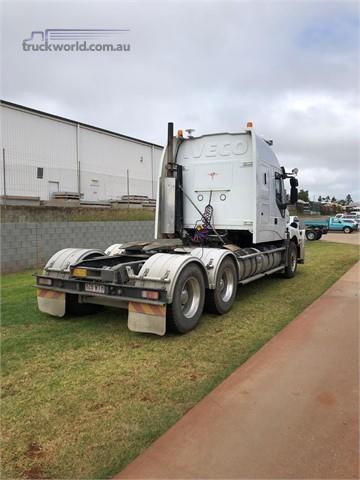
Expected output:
{"points": [[45, 281], [150, 294]]}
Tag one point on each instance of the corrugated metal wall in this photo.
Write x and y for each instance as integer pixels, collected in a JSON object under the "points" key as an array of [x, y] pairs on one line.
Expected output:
{"points": [[105, 160], [34, 142]]}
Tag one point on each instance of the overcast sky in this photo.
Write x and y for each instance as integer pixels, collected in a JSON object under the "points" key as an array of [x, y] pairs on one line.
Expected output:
{"points": [[292, 67]]}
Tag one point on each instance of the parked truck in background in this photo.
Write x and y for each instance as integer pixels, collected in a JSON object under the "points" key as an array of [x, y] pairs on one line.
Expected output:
{"points": [[315, 232], [333, 224], [221, 221], [311, 233]]}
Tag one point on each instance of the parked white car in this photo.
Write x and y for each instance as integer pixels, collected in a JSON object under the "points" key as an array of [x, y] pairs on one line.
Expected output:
{"points": [[351, 220], [355, 216]]}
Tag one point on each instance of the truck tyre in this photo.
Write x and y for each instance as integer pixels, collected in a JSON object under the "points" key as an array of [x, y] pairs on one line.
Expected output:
{"points": [[291, 267], [347, 229], [310, 235], [184, 313], [221, 299], [74, 307], [318, 235]]}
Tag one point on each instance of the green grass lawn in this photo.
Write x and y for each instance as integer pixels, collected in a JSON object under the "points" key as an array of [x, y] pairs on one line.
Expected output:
{"points": [[113, 214], [81, 397]]}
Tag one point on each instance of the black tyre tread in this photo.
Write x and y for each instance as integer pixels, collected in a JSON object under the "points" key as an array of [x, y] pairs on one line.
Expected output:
{"points": [[210, 304], [172, 324], [170, 320], [310, 239], [288, 273], [211, 300]]}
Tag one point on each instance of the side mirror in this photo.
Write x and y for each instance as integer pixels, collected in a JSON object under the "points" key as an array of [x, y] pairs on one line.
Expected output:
{"points": [[293, 195], [293, 191]]}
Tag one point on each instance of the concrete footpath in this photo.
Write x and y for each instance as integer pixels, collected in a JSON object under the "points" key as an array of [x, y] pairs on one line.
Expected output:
{"points": [[290, 411]]}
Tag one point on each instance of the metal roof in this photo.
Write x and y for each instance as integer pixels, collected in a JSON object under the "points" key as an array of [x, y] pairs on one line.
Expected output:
{"points": [[81, 124]]}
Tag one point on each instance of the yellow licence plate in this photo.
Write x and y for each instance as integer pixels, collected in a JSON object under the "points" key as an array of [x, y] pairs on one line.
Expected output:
{"points": [[79, 272]]}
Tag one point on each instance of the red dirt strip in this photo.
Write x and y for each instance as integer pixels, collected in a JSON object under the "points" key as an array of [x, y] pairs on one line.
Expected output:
{"points": [[290, 411]]}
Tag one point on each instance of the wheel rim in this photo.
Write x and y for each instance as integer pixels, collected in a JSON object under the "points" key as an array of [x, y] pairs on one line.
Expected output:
{"points": [[226, 284], [346, 230], [311, 236], [190, 297]]}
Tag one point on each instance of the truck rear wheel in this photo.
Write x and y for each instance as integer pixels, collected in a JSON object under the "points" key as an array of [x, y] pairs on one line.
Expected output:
{"points": [[347, 229], [221, 299], [318, 235], [74, 307], [291, 267], [310, 235], [184, 313]]}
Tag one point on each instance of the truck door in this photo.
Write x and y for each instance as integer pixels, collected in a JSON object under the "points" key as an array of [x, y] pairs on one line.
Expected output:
{"points": [[279, 213], [335, 223], [271, 220], [264, 187]]}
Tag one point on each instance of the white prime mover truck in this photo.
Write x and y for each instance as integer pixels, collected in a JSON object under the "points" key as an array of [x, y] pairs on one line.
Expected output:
{"points": [[221, 220]]}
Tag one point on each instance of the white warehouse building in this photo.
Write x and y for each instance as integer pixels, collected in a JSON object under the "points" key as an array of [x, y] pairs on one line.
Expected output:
{"points": [[43, 154]]}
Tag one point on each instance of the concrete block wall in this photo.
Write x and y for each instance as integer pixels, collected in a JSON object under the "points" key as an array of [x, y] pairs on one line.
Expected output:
{"points": [[26, 245]]}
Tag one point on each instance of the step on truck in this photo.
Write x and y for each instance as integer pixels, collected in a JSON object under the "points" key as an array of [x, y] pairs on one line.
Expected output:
{"points": [[221, 221]]}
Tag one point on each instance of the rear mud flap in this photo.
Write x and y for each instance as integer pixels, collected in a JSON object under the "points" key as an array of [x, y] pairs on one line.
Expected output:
{"points": [[146, 318], [51, 302]]}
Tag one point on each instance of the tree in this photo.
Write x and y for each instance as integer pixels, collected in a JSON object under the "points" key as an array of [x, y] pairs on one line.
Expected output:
{"points": [[348, 199], [320, 198], [327, 198], [304, 195], [333, 200]]}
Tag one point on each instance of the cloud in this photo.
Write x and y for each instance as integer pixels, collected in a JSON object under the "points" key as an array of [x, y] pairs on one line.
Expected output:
{"points": [[291, 67], [329, 182]]}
